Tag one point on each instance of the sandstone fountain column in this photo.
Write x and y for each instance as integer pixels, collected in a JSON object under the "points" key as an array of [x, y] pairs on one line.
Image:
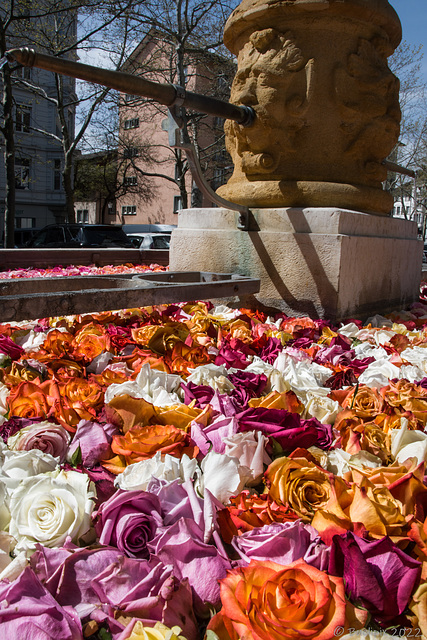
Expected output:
{"points": [[311, 166]]}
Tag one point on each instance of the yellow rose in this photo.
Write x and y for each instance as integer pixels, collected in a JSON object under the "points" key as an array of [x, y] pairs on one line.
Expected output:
{"points": [[418, 606], [159, 632], [301, 485]]}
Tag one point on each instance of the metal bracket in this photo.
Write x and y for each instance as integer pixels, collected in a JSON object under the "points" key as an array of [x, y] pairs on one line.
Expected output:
{"points": [[178, 139]]}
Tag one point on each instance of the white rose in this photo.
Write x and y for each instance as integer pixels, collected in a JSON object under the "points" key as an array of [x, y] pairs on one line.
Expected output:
{"points": [[4, 394], [340, 462], [249, 449], [319, 406], [366, 350], [302, 376], [378, 373], [276, 382], [137, 476], [349, 330], [20, 465], [222, 312], [10, 568], [213, 375], [154, 386], [416, 356], [50, 507], [30, 340], [406, 443], [100, 363], [4, 507], [222, 476]]}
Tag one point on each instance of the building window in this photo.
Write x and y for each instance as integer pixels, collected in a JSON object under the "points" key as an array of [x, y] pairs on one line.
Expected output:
{"points": [[130, 181], [133, 123], [131, 152], [130, 98], [129, 210], [110, 209], [23, 73], [57, 174], [219, 178], [22, 173], [177, 204], [23, 118], [82, 215], [25, 223]]}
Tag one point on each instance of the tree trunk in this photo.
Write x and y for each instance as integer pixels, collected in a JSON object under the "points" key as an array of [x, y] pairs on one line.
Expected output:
{"points": [[9, 159], [69, 192]]}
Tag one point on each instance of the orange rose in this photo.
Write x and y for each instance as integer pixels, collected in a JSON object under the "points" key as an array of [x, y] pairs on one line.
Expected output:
{"points": [[126, 412], [180, 415], [21, 372], [109, 376], [139, 357], [301, 484], [404, 481], [90, 342], [184, 357], [275, 400], [407, 396], [28, 400], [238, 329], [375, 508], [247, 511], [142, 443], [365, 402], [58, 342], [366, 436], [269, 601], [82, 394], [163, 338]]}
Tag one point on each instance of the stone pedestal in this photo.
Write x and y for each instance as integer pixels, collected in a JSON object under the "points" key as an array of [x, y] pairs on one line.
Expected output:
{"points": [[323, 262]]}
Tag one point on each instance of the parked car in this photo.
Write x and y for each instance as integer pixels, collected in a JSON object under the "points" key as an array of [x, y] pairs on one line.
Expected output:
{"points": [[150, 240], [80, 235]]}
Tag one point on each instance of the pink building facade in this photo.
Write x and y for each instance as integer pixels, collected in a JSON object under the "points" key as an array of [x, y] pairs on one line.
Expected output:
{"points": [[156, 178]]}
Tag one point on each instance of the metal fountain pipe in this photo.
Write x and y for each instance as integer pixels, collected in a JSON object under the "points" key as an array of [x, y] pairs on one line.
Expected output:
{"points": [[167, 94]]}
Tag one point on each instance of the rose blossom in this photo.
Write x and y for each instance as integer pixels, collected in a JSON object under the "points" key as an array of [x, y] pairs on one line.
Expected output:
{"points": [[223, 476], [128, 520], [46, 436], [164, 467], [378, 575], [249, 448], [283, 543], [269, 601], [181, 545], [19, 465], [4, 394], [93, 440], [51, 507], [407, 443], [300, 484], [27, 610], [136, 630]]}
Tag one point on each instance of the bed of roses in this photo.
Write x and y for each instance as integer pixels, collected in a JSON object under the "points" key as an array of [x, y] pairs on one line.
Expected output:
{"points": [[184, 471]]}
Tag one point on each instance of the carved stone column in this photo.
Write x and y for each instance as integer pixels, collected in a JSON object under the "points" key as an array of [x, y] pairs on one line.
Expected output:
{"points": [[327, 105]]}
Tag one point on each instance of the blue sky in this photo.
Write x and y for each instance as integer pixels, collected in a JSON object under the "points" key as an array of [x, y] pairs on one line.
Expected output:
{"points": [[413, 16]]}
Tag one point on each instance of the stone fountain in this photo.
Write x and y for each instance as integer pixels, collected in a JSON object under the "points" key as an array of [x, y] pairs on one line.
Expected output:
{"points": [[312, 165]]}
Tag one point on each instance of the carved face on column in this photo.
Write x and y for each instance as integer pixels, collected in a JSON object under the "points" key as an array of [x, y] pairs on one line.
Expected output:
{"points": [[326, 103], [274, 78]]}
